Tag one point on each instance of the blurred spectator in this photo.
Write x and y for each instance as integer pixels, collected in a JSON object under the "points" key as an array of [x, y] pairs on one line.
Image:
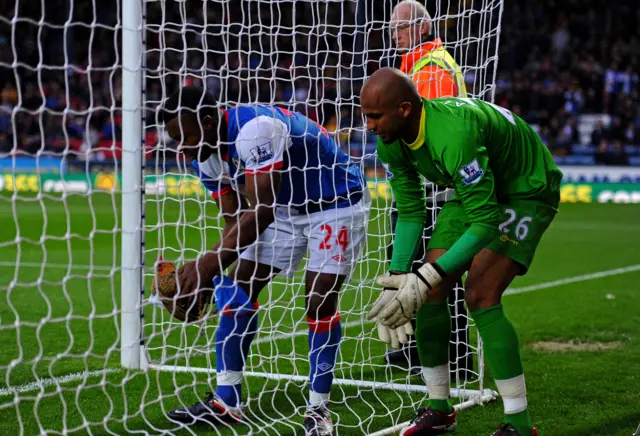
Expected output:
{"points": [[598, 134], [559, 61], [6, 142], [617, 131], [560, 41], [631, 134], [573, 61], [567, 136], [611, 153]]}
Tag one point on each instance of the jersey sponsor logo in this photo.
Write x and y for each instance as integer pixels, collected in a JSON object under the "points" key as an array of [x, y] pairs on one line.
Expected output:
{"points": [[262, 153], [505, 238], [471, 173]]}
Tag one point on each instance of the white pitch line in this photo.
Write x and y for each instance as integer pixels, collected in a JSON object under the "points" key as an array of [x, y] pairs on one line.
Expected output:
{"points": [[575, 279], [60, 266], [302, 332], [40, 384]]}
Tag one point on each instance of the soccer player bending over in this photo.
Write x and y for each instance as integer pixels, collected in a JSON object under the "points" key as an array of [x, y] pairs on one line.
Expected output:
{"points": [[303, 193], [507, 190]]}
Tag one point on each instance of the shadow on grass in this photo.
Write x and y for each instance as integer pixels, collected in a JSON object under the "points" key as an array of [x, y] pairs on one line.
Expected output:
{"points": [[611, 426]]}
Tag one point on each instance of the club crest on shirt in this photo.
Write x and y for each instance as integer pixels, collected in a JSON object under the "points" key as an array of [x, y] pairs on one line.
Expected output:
{"points": [[471, 173], [262, 153]]}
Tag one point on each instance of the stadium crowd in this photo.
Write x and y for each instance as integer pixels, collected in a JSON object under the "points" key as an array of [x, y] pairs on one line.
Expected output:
{"points": [[569, 68]]}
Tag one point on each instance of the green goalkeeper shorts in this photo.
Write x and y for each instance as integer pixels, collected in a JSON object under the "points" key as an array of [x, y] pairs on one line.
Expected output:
{"points": [[525, 221]]}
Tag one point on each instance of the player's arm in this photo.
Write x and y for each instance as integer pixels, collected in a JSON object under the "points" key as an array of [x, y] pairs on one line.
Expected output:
{"points": [[229, 202], [409, 194], [260, 145], [230, 205], [466, 160], [262, 189], [411, 203]]}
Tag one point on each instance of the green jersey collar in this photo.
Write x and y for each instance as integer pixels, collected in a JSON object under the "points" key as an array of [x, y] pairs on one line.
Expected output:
{"points": [[420, 139]]}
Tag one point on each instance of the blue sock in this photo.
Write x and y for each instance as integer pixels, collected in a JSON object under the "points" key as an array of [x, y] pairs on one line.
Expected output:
{"points": [[324, 340], [237, 328]]}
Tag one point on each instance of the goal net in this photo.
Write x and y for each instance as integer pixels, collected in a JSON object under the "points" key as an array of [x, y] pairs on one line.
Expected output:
{"points": [[94, 194]]}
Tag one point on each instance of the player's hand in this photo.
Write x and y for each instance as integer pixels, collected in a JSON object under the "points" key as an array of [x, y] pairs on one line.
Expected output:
{"points": [[388, 335], [385, 298], [413, 289], [198, 275], [395, 337]]}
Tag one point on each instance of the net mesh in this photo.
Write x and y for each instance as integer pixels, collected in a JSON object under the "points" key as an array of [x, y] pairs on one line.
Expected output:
{"points": [[309, 57], [61, 147]]}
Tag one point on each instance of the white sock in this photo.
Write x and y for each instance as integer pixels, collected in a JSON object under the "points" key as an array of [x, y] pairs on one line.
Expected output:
{"points": [[437, 380], [318, 399], [514, 394]]}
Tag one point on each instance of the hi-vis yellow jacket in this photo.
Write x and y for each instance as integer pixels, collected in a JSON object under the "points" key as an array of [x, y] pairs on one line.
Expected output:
{"points": [[434, 71]]}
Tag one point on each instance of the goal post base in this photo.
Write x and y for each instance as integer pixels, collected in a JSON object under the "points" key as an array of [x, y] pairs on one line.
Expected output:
{"points": [[471, 396]]}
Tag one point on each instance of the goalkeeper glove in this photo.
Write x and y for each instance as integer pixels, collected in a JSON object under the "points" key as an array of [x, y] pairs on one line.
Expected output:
{"points": [[395, 337], [392, 336], [399, 308]]}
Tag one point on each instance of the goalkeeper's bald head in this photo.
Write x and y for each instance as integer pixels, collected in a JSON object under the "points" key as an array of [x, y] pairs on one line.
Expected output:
{"points": [[389, 99]]}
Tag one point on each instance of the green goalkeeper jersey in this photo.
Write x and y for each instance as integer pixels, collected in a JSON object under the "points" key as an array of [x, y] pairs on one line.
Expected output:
{"points": [[488, 155]]}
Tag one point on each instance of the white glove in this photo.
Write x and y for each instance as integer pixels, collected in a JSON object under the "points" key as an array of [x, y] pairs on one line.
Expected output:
{"points": [[398, 308], [395, 337]]}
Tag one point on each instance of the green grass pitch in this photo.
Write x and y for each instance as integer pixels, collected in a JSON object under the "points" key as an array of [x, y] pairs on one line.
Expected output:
{"points": [[59, 317]]}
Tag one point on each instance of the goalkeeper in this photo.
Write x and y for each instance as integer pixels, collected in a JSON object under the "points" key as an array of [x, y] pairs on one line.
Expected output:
{"points": [[283, 186], [436, 74], [507, 190]]}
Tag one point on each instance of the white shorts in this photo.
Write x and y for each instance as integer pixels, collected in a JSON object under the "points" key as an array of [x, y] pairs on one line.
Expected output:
{"points": [[334, 239]]}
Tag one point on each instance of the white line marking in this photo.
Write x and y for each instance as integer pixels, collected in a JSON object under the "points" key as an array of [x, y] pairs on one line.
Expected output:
{"points": [[302, 332], [41, 384], [595, 225], [513, 291], [60, 266], [575, 279]]}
